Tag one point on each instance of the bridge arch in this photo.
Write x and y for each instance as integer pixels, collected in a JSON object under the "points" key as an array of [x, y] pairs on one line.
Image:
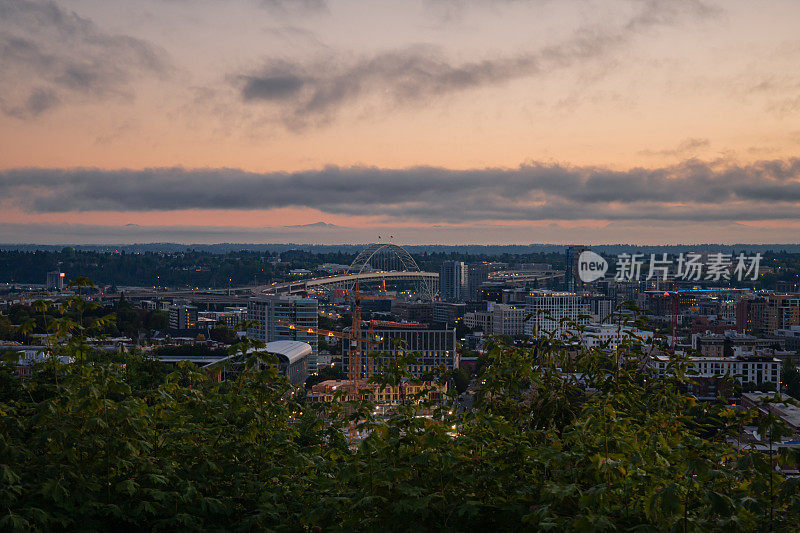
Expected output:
{"points": [[396, 256]]}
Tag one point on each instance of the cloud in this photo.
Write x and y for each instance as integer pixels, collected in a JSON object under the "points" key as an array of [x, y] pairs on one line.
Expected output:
{"points": [[284, 6], [315, 92], [689, 191], [689, 146], [49, 55]]}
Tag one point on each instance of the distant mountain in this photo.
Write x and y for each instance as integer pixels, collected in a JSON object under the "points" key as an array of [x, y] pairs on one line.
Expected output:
{"points": [[315, 225]]}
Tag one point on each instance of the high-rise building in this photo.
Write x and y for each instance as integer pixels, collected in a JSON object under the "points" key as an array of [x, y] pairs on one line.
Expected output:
{"points": [[435, 348], [55, 280], [600, 307], [453, 281], [553, 312], [477, 274], [183, 317], [572, 281], [750, 315], [267, 310]]}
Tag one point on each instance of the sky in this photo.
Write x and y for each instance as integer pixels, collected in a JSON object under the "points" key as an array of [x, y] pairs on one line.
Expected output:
{"points": [[430, 121]]}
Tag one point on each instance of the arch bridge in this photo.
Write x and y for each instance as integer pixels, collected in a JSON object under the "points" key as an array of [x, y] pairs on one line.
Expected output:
{"points": [[377, 265]]}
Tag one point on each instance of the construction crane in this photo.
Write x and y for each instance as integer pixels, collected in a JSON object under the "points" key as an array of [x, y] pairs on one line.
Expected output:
{"points": [[674, 293], [357, 345], [360, 343]]}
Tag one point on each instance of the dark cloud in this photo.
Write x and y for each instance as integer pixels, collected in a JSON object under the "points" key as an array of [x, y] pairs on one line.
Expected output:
{"points": [[692, 190], [315, 92], [271, 88], [49, 55]]}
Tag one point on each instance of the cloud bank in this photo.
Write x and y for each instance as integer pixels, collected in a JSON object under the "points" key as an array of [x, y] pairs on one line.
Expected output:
{"points": [[689, 191]]}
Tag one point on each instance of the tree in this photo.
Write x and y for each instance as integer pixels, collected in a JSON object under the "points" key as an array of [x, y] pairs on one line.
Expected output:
{"points": [[325, 373], [791, 378], [461, 380], [120, 444]]}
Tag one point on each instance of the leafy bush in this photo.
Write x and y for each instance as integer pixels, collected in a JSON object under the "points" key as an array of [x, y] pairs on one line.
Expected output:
{"points": [[95, 446]]}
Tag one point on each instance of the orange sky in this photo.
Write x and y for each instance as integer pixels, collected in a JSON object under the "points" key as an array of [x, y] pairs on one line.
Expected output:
{"points": [[290, 87]]}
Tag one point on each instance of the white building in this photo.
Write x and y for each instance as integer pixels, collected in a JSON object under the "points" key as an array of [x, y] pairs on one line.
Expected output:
{"points": [[612, 335], [756, 370], [553, 312], [453, 281], [508, 319]]}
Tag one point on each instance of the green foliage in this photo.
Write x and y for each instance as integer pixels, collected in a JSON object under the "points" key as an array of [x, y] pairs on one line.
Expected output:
{"points": [[460, 379], [791, 378], [122, 445], [325, 373]]}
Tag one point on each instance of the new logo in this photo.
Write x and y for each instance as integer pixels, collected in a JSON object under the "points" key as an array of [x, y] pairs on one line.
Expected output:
{"points": [[591, 266]]}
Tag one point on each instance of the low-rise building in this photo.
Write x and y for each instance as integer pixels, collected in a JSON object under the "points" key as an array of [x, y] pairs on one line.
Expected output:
{"points": [[757, 370], [724, 344], [611, 336], [790, 337], [789, 413]]}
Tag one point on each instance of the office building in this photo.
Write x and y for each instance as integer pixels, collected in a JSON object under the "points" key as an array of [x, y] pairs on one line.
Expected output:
{"points": [[750, 315], [481, 320], [477, 274], [383, 396], [507, 319], [782, 312], [230, 317], [572, 280], [600, 307], [183, 317], [412, 311], [492, 291], [448, 313], [553, 312], [435, 348], [453, 281], [790, 337], [267, 311], [730, 342], [55, 280]]}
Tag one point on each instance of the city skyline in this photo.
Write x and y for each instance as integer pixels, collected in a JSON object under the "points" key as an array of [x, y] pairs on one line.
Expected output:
{"points": [[434, 121]]}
